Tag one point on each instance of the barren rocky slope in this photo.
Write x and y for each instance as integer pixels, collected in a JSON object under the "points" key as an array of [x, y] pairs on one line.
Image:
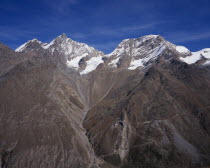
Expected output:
{"points": [[65, 104]]}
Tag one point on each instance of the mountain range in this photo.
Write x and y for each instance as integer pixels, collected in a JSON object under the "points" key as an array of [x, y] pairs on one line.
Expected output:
{"points": [[66, 104]]}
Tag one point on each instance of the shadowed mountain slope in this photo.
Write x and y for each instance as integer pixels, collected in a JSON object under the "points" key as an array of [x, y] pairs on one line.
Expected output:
{"points": [[139, 106]]}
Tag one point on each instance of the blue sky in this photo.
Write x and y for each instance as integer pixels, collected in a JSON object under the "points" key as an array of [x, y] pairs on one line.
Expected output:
{"points": [[103, 24]]}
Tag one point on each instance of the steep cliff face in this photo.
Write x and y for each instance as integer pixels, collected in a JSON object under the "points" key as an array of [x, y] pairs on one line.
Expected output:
{"points": [[43, 105], [65, 104], [41, 115], [154, 121]]}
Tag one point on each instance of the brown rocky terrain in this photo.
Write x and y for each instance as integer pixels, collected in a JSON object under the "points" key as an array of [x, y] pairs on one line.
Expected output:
{"points": [[161, 120], [51, 116]]}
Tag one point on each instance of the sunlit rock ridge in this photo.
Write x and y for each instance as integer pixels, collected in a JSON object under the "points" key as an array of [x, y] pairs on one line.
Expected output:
{"points": [[130, 53], [66, 104]]}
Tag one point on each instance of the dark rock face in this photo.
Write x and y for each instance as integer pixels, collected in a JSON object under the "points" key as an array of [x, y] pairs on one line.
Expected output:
{"points": [[50, 116], [40, 124], [162, 121], [124, 61], [82, 63]]}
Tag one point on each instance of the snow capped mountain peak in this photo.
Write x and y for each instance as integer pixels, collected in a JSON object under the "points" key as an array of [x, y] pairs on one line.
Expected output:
{"points": [[63, 36], [78, 56], [25, 46], [129, 54], [137, 52], [142, 51], [60, 39], [124, 46], [36, 40], [68, 46]]}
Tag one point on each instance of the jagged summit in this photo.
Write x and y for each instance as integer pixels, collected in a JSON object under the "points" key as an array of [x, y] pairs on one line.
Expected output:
{"points": [[128, 44], [129, 54], [58, 40], [112, 117], [63, 35], [29, 45], [78, 56], [142, 51]]}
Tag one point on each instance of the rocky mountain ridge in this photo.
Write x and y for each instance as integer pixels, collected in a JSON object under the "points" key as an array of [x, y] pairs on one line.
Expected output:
{"points": [[130, 53], [65, 104]]}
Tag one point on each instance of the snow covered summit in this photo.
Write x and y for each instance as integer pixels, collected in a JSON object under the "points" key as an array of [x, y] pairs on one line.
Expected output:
{"points": [[130, 53], [143, 51], [78, 56]]}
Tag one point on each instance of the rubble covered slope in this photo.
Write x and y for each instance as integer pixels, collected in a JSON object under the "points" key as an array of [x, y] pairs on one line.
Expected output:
{"points": [[66, 104]]}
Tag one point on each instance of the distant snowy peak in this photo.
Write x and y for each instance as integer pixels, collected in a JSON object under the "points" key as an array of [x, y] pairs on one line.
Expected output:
{"points": [[71, 48], [130, 53], [29, 45], [143, 51], [126, 45], [78, 56]]}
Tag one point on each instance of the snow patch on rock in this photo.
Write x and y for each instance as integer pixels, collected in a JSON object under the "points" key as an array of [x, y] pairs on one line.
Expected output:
{"points": [[46, 45], [114, 62], [135, 64], [74, 62], [182, 49], [92, 64], [153, 55], [196, 56]]}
